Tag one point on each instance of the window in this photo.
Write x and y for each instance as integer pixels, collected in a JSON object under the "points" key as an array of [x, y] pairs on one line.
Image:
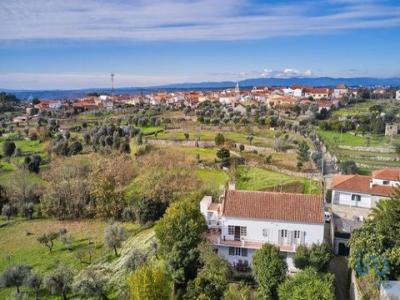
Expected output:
{"points": [[356, 197], [244, 252], [297, 234], [265, 232], [238, 251], [231, 230], [386, 182], [243, 231], [284, 233], [231, 251]]}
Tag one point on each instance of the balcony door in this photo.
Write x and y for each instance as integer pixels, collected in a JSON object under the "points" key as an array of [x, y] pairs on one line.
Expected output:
{"points": [[237, 233]]}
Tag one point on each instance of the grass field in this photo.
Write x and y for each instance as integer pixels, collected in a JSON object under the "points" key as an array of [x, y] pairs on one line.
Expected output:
{"points": [[253, 178], [212, 178], [19, 245], [363, 107], [349, 139]]}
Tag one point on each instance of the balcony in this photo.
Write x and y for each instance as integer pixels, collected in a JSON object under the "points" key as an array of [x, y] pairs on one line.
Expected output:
{"points": [[214, 236]]}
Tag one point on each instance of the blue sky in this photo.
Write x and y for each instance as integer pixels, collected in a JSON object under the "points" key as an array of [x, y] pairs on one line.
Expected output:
{"points": [[49, 44]]}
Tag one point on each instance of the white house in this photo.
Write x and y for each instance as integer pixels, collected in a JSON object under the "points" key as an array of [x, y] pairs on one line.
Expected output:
{"points": [[398, 95], [352, 198], [245, 220], [340, 90]]}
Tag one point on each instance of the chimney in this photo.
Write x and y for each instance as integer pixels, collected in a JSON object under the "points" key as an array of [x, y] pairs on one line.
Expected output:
{"points": [[232, 185]]}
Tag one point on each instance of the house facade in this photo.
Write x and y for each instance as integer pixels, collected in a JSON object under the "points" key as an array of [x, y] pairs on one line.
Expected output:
{"points": [[398, 95], [353, 196], [244, 221]]}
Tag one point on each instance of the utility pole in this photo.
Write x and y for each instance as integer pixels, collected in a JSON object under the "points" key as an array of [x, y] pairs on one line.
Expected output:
{"points": [[112, 84]]}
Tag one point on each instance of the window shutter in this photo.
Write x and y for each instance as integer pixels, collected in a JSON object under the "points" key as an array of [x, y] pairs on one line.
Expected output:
{"points": [[280, 236], [302, 237]]}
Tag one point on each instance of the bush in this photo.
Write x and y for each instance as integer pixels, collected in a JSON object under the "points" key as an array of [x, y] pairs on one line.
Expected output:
{"points": [[317, 257], [348, 167], [8, 148]]}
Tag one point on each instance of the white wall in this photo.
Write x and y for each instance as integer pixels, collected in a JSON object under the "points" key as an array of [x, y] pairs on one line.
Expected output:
{"points": [[223, 251], [314, 233], [380, 182], [398, 95], [344, 198]]}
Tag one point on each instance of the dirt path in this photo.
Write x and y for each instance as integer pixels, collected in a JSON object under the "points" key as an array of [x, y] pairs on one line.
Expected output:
{"points": [[338, 266]]}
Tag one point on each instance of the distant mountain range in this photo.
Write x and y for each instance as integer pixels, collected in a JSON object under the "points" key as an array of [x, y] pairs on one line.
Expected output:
{"points": [[247, 83]]}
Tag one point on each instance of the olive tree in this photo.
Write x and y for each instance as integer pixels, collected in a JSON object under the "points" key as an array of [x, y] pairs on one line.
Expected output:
{"points": [[114, 235]]}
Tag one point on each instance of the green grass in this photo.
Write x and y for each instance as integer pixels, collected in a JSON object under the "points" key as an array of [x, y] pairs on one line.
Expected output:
{"points": [[363, 108], [213, 179], [258, 179], [348, 139], [19, 245], [150, 129]]}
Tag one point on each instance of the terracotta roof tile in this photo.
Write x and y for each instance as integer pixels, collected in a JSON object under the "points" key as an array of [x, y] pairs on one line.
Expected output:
{"points": [[360, 184], [274, 206], [388, 174]]}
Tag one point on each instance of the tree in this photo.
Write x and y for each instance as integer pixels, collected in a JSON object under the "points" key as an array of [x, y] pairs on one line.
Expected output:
{"points": [[375, 246], [179, 233], [8, 148], [317, 256], [348, 167], [91, 284], [219, 139], [59, 281], [15, 276], [47, 239], [114, 235], [308, 284], [7, 211], [21, 190], [250, 138], [75, 148], [109, 177], [211, 280], [186, 135], [135, 259], [34, 281], [223, 154], [32, 163], [149, 210], [241, 147], [150, 282], [303, 154], [269, 270], [67, 193], [238, 292]]}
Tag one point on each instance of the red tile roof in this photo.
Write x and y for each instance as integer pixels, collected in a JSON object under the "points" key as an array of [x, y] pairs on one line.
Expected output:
{"points": [[360, 184], [273, 206], [387, 174]]}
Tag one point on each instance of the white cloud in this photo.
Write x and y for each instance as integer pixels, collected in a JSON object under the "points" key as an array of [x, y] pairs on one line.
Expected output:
{"points": [[160, 20], [286, 73]]}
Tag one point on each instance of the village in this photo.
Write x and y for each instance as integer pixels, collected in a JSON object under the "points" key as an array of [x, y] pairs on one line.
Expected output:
{"points": [[271, 163]]}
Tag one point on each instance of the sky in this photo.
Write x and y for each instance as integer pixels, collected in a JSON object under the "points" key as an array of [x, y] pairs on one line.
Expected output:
{"points": [[59, 44]]}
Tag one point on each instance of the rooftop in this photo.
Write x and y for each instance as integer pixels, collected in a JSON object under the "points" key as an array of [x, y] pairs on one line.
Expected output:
{"points": [[274, 206], [360, 184]]}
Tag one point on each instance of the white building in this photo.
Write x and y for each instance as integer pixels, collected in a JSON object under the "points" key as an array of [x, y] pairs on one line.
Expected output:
{"points": [[340, 90], [295, 92], [353, 196], [246, 220], [398, 95]]}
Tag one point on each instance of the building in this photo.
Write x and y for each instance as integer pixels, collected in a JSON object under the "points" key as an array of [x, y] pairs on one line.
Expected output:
{"points": [[392, 129], [398, 95], [244, 221], [353, 196], [340, 90], [317, 93]]}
